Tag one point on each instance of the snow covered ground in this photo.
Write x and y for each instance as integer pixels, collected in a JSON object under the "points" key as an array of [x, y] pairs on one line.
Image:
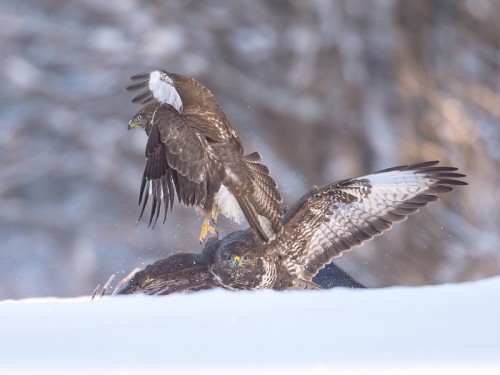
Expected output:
{"points": [[401, 330]]}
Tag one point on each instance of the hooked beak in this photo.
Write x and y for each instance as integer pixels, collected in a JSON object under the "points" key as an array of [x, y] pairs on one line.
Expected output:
{"points": [[131, 125], [236, 260]]}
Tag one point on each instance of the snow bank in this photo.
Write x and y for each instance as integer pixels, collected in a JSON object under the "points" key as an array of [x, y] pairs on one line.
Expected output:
{"points": [[435, 329]]}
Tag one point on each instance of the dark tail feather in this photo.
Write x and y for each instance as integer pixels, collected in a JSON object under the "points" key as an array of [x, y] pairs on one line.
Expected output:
{"points": [[252, 217]]}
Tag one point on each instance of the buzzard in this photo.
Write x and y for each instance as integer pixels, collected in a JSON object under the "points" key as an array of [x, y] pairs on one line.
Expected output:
{"points": [[194, 152], [322, 225]]}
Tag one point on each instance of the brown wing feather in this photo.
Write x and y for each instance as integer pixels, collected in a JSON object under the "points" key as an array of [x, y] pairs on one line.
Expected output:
{"points": [[199, 103], [256, 192], [187, 153], [158, 177], [202, 151], [213, 124], [333, 219], [186, 150], [177, 273], [265, 196], [178, 161]]}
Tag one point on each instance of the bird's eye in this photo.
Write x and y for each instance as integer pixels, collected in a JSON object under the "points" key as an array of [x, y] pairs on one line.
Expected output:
{"points": [[139, 117], [228, 257], [245, 257]]}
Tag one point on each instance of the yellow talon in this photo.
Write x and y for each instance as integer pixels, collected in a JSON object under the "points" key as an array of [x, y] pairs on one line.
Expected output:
{"points": [[206, 227]]}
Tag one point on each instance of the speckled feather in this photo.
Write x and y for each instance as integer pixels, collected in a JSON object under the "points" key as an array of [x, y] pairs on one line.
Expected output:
{"points": [[202, 151], [322, 225], [344, 214]]}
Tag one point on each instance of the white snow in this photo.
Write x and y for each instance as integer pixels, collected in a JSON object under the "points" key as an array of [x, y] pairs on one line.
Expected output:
{"points": [[447, 329]]}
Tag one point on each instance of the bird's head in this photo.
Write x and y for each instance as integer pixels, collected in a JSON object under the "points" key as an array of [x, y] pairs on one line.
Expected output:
{"points": [[236, 259], [144, 117], [238, 264]]}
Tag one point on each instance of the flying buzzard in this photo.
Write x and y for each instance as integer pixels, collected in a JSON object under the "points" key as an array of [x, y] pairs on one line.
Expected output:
{"points": [[322, 225], [193, 150]]}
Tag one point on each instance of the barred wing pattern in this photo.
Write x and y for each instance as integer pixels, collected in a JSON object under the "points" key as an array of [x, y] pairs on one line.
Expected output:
{"points": [[328, 221], [323, 224]]}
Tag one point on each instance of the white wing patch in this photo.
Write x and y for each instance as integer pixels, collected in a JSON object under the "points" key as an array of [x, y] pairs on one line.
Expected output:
{"points": [[344, 214], [419, 181], [396, 186], [162, 87], [228, 205]]}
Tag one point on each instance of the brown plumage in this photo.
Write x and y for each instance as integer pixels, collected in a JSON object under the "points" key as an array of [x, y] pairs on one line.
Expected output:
{"points": [[194, 152], [322, 225]]}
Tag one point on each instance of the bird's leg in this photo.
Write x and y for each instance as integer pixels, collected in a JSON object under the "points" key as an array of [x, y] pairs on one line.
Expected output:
{"points": [[215, 213], [206, 227]]}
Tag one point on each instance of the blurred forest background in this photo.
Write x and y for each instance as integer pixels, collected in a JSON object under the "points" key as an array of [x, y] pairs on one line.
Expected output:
{"points": [[324, 90]]}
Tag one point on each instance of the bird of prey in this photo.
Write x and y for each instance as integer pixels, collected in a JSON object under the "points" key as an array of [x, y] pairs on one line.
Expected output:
{"points": [[194, 152], [322, 225]]}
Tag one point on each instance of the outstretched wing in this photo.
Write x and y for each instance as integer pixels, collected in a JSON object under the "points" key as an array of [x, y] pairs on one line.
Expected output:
{"points": [[155, 85], [178, 273], [328, 221]]}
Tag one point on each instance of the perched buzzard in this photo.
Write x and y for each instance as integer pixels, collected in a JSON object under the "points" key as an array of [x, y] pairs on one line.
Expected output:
{"points": [[319, 227], [192, 150]]}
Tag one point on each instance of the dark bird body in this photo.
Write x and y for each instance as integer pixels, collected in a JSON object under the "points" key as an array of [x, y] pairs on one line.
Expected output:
{"points": [[194, 152], [322, 225]]}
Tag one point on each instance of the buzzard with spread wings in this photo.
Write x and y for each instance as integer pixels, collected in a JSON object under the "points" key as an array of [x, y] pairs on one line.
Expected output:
{"points": [[322, 225], [194, 152]]}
